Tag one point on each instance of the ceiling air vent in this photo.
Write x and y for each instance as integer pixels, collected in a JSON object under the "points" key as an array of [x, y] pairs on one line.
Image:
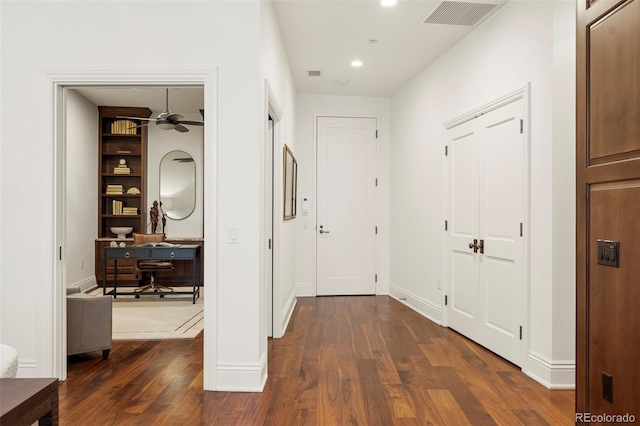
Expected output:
{"points": [[467, 14], [314, 73]]}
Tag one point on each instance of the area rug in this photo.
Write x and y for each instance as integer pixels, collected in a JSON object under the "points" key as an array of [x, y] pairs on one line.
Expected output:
{"points": [[153, 318]]}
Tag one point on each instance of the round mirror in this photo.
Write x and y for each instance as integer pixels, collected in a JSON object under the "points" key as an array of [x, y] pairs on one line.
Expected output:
{"points": [[178, 184]]}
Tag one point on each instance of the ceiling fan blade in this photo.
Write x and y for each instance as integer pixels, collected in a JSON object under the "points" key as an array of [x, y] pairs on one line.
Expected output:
{"points": [[181, 128], [192, 123], [174, 117], [139, 126], [137, 118]]}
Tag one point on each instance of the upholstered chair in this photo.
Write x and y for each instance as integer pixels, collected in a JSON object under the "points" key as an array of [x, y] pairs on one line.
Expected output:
{"points": [[89, 323]]}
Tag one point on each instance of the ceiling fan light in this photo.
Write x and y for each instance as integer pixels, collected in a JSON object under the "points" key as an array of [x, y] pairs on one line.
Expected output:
{"points": [[165, 125]]}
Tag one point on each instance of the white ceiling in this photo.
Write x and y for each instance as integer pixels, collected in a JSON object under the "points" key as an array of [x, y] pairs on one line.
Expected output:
{"points": [[327, 35], [183, 100]]}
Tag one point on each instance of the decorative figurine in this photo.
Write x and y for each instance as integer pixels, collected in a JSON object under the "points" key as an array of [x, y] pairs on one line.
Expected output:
{"points": [[153, 213], [164, 220]]}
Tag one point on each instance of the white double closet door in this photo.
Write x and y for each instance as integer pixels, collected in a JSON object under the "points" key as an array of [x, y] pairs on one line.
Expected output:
{"points": [[486, 254]]}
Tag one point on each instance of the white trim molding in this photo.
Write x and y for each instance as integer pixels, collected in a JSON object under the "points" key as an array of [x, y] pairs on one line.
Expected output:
{"points": [[86, 284], [422, 306], [242, 377], [382, 289], [553, 374], [28, 368], [287, 313], [520, 93], [305, 290], [51, 337]]}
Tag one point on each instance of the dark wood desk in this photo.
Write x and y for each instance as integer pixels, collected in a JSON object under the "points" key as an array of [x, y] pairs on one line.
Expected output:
{"points": [[177, 252], [25, 401]]}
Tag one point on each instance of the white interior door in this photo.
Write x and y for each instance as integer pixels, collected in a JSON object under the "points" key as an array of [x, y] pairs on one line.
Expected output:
{"points": [[346, 173], [463, 144], [502, 195], [486, 252], [268, 195]]}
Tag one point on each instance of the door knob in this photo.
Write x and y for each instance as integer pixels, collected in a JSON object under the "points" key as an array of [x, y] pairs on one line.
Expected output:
{"points": [[322, 231]]}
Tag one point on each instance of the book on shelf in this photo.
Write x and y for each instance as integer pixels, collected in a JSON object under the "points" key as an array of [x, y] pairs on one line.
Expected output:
{"points": [[117, 206], [131, 211], [114, 189], [124, 127], [121, 170]]}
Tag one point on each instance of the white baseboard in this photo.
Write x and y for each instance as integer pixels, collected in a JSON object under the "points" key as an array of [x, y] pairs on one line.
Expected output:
{"points": [[382, 289], [418, 304], [28, 368], [305, 290], [286, 314], [557, 374], [242, 377], [86, 284]]}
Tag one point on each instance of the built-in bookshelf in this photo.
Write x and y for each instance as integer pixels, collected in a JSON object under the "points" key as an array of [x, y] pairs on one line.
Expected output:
{"points": [[122, 169]]}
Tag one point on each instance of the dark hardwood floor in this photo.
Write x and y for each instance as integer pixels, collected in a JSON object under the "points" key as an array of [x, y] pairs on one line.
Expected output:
{"points": [[344, 361]]}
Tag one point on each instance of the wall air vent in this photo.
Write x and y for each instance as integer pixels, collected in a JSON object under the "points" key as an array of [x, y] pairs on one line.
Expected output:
{"points": [[467, 14], [314, 73]]}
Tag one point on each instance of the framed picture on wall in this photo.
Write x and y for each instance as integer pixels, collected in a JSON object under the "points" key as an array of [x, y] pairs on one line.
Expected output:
{"points": [[290, 167]]}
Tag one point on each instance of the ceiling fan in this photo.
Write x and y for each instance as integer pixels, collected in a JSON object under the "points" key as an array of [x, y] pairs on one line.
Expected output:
{"points": [[168, 120]]}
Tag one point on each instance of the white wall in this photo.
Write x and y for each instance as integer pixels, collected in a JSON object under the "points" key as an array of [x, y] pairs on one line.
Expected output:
{"points": [[81, 189], [513, 47], [564, 182], [275, 69], [161, 142], [307, 106], [56, 35]]}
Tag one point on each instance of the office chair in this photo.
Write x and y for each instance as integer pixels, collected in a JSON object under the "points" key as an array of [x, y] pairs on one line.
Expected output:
{"points": [[151, 266]]}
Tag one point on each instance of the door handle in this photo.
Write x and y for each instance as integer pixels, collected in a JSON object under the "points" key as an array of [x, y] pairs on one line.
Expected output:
{"points": [[477, 246], [322, 231]]}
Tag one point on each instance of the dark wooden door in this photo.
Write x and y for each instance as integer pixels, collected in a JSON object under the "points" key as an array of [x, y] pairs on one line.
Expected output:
{"points": [[608, 207]]}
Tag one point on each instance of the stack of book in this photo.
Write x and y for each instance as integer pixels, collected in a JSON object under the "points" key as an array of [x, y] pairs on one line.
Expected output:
{"points": [[129, 211], [115, 189], [124, 127], [121, 170], [117, 207]]}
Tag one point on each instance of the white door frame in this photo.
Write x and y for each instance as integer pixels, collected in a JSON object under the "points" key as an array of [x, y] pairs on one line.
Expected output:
{"points": [[272, 108], [51, 306], [315, 192], [524, 93]]}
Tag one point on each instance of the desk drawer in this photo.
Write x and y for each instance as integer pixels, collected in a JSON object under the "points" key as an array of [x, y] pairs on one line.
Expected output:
{"points": [[171, 253], [130, 254]]}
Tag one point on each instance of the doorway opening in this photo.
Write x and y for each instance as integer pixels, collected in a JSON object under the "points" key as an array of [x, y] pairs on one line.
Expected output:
{"points": [[148, 179], [53, 346]]}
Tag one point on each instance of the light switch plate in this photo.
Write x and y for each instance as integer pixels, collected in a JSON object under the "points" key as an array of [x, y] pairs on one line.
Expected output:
{"points": [[233, 235], [609, 253]]}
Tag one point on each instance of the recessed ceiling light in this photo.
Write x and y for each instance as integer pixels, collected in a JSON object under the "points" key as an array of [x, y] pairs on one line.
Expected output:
{"points": [[342, 81], [356, 63], [373, 41], [388, 3]]}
